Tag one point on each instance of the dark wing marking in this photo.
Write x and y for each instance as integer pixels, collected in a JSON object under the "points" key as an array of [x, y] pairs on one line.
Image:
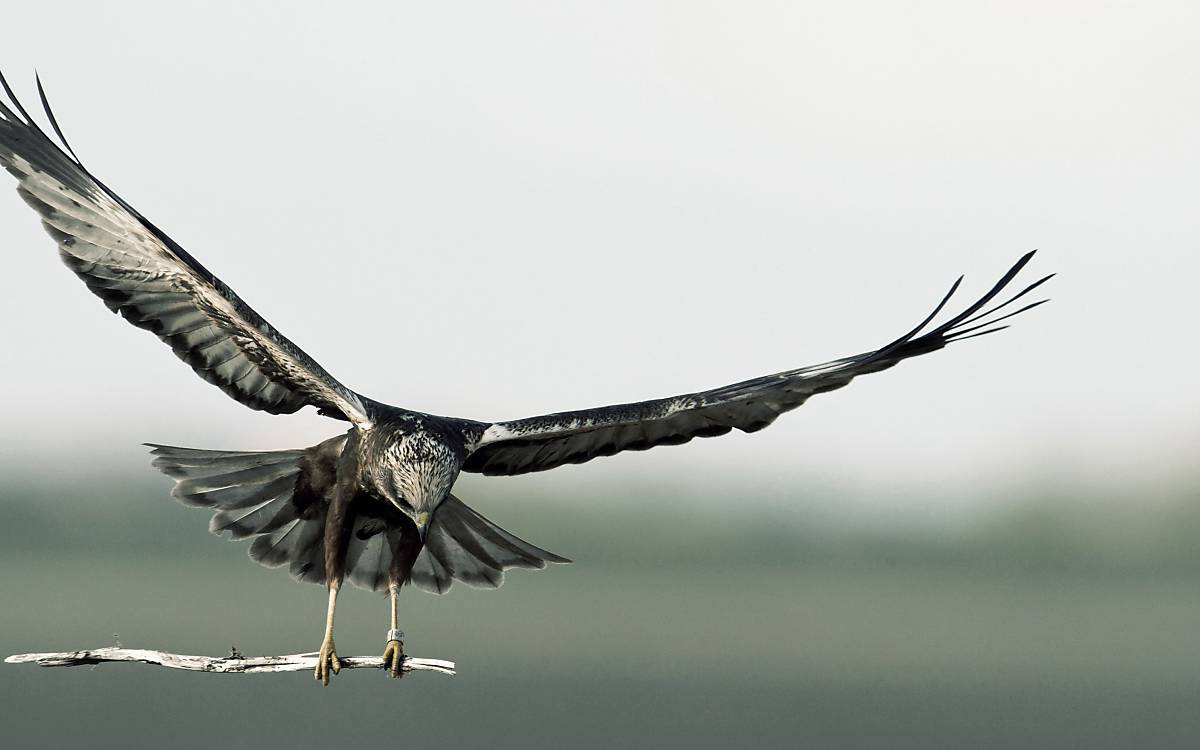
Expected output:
{"points": [[155, 284], [546, 442]]}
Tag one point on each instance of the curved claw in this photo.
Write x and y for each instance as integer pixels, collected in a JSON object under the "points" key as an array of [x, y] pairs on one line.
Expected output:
{"points": [[327, 659], [393, 658]]}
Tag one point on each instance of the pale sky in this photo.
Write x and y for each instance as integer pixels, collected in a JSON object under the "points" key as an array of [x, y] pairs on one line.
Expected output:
{"points": [[500, 209]]}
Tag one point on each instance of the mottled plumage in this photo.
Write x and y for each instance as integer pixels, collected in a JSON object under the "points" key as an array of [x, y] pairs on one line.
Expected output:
{"points": [[374, 504]]}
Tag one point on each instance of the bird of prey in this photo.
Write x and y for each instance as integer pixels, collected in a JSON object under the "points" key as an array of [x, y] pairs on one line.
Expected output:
{"points": [[375, 504]]}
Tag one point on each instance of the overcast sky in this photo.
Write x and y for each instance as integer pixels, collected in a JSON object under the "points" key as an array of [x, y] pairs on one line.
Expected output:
{"points": [[499, 209]]}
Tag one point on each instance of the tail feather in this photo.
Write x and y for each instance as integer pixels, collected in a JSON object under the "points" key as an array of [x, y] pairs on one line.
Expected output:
{"points": [[300, 543], [239, 496], [268, 516], [277, 497], [285, 543], [370, 552], [457, 551], [222, 478], [171, 459], [463, 545], [265, 495], [465, 542], [516, 552]]}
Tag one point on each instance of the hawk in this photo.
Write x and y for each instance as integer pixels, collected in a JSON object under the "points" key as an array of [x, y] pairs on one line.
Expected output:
{"points": [[375, 503]]}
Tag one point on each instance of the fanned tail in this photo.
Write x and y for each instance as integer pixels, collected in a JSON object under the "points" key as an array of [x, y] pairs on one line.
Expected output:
{"points": [[463, 545], [266, 495]]}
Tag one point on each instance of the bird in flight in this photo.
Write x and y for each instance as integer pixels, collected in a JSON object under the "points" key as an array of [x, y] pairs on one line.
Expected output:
{"points": [[375, 504]]}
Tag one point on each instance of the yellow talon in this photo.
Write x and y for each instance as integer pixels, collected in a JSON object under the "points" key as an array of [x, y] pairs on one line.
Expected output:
{"points": [[393, 658], [327, 659]]}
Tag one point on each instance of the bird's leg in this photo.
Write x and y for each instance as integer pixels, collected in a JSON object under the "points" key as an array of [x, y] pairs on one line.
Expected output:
{"points": [[327, 657], [393, 653]]}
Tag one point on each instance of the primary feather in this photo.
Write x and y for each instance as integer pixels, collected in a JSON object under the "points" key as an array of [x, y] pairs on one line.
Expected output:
{"points": [[549, 441], [153, 283]]}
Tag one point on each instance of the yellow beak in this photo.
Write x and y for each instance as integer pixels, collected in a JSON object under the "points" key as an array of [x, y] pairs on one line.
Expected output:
{"points": [[422, 521]]}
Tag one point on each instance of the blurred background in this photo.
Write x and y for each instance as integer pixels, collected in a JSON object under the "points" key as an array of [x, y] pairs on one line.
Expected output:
{"points": [[495, 210]]}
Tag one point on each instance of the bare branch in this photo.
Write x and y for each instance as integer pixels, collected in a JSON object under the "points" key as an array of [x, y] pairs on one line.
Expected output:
{"points": [[235, 664]]}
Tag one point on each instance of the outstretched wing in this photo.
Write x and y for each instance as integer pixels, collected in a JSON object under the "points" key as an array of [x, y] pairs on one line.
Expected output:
{"points": [[546, 442], [155, 284]]}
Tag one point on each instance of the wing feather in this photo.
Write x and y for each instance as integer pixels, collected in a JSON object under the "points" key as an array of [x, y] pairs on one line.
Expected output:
{"points": [[546, 442], [141, 273]]}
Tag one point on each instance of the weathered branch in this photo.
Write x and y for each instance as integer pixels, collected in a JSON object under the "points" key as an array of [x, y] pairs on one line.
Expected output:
{"points": [[233, 664]]}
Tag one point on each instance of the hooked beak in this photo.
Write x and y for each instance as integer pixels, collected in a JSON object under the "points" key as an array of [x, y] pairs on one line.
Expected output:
{"points": [[422, 521]]}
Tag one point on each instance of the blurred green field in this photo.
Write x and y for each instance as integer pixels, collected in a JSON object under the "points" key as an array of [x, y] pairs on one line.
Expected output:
{"points": [[1056, 624]]}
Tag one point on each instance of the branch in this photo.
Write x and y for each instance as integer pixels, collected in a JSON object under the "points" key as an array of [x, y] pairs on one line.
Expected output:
{"points": [[232, 664]]}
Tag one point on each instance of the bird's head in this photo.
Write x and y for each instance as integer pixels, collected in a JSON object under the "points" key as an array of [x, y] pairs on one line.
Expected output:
{"points": [[419, 480], [417, 491]]}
